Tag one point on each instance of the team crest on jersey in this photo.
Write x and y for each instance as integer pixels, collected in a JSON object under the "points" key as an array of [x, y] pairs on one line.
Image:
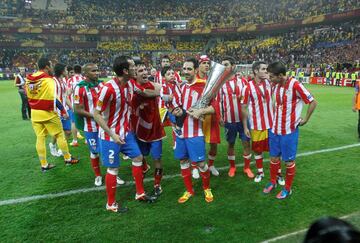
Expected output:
{"points": [[76, 97], [99, 103]]}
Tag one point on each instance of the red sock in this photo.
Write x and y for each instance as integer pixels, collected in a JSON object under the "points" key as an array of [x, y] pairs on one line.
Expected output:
{"points": [[95, 165], [193, 165], [110, 182], [186, 174], [205, 176], [274, 165], [259, 162], [290, 174], [247, 160], [157, 176], [231, 159], [144, 165], [138, 178], [279, 169], [211, 158]]}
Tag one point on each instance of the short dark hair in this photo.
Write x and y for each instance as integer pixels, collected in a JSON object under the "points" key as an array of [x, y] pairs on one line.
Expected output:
{"points": [[256, 65], [69, 68], [43, 62], [165, 69], [77, 68], [121, 63], [59, 68], [230, 59], [139, 63], [330, 229], [277, 68], [164, 57], [193, 60]]}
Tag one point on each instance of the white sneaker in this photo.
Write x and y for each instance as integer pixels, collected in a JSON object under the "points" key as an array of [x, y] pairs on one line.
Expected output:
{"points": [[280, 180], [116, 209], [98, 181], [53, 150], [119, 181], [60, 153], [195, 173], [259, 177], [125, 157], [214, 171]]}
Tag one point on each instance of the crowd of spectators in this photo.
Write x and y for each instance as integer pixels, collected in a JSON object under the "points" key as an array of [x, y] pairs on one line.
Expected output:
{"points": [[298, 48], [202, 14]]}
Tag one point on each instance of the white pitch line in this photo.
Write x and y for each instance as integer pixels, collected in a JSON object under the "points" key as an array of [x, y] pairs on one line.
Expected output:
{"points": [[92, 189], [303, 230]]}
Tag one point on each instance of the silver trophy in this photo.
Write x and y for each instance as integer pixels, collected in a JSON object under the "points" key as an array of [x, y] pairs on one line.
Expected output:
{"points": [[218, 75]]}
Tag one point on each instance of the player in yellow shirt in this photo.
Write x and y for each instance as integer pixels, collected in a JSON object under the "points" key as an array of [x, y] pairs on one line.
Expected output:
{"points": [[41, 90]]}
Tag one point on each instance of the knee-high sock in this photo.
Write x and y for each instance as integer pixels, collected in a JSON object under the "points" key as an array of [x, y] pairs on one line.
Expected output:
{"points": [[259, 163], [247, 160], [95, 164], [274, 166], [231, 159], [138, 177], [290, 174], [62, 144], [205, 176], [158, 176], [110, 182], [186, 174], [211, 158], [41, 150]]}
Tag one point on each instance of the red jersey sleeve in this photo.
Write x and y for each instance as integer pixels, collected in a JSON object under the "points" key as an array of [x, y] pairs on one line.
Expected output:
{"points": [[79, 95], [303, 93], [245, 95]]}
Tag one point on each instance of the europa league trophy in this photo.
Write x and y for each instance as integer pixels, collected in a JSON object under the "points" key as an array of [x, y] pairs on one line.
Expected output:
{"points": [[218, 75]]}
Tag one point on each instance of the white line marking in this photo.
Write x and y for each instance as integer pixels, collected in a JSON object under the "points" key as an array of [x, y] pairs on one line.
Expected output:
{"points": [[92, 189], [303, 230]]}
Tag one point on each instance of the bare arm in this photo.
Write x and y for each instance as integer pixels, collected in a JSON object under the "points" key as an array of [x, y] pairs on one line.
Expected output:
{"points": [[200, 113], [102, 123], [244, 115], [309, 112], [79, 109]]}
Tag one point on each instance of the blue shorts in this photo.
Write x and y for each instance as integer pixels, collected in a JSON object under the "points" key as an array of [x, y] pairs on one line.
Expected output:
{"points": [[110, 151], [231, 131], [284, 145], [66, 124], [71, 115], [172, 118], [92, 139], [190, 148], [153, 148]]}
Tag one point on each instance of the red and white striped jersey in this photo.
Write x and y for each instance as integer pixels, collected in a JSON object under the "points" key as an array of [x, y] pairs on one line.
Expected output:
{"points": [[61, 91], [258, 99], [115, 104], [190, 93], [230, 94], [88, 97], [289, 100], [71, 84], [170, 88], [161, 80]]}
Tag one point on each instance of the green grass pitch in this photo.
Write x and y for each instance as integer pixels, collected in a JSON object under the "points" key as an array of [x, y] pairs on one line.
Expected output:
{"points": [[325, 184]]}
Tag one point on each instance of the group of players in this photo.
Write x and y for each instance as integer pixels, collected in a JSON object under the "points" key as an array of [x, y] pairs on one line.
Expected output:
{"points": [[127, 115]]}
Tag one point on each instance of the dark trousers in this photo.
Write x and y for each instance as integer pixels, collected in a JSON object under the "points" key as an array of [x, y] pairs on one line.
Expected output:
{"points": [[25, 108]]}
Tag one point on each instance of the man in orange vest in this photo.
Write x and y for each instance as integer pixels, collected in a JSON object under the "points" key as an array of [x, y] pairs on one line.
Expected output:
{"points": [[356, 103]]}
